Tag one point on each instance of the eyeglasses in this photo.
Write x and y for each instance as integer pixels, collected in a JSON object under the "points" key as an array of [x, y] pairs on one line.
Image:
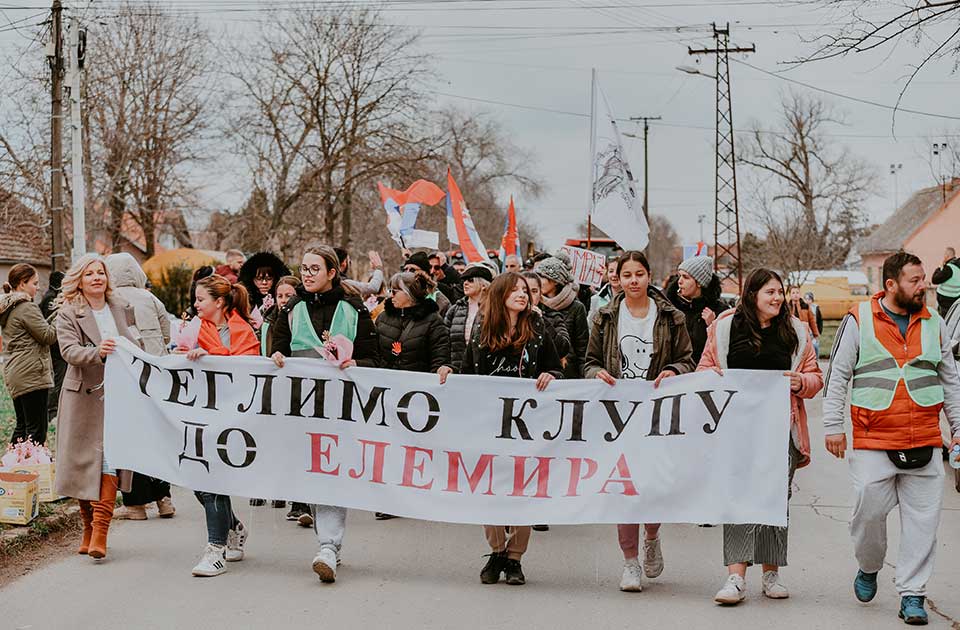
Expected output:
{"points": [[310, 270], [266, 277]]}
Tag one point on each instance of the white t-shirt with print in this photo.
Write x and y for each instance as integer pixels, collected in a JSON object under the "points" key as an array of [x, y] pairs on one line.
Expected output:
{"points": [[636, 341]]}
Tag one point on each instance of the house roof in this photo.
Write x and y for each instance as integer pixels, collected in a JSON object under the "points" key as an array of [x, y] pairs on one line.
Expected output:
{"points": [[895, 231], [21, 237]]}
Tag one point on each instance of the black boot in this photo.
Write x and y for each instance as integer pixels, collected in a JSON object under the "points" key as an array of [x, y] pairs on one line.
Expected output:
{"points": [[514, 572], [383, 516], [490, 574], [277, 503], [257, 502], [541, 528]]}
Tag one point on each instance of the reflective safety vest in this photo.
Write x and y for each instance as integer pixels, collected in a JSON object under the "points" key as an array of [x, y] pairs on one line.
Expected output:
{"points": [[303, 337], [951, 288], [877, 374]]}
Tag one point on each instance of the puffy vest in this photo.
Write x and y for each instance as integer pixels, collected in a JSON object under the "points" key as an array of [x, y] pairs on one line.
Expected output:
{"points": [[951, 288], [877, 373], [304, 339]]}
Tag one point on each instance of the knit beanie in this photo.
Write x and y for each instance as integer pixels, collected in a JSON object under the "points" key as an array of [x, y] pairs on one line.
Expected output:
{"points": [[554, 269], [420, 259], [700, 268]]}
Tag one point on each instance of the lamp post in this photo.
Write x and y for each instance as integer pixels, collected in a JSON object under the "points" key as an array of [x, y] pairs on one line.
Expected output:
{"points": [[895, 171]]}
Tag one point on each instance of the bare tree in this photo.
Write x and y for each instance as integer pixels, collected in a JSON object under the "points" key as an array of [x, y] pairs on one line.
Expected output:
{"points": [[147, 101], [808, 195], [664, 251]]}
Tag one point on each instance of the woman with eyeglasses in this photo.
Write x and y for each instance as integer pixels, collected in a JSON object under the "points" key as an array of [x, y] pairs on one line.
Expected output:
{"points": [[509, 340], [260, 275], [88, 324], [324, 307]]}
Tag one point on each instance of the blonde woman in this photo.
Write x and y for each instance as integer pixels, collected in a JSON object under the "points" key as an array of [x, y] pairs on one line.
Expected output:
{"points": [[88, 324], [461, 315]]}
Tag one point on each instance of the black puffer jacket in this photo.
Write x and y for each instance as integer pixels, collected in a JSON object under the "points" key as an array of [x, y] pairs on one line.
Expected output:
{"points": [[321, 307], [413, 339], [456, 322], [578, 330], [693, 311]]}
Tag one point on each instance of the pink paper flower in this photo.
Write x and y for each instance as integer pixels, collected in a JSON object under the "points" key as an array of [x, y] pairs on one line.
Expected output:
{"points": [[25, 453], [256, 317], [337, 350], [267, 302], [186, 334]]}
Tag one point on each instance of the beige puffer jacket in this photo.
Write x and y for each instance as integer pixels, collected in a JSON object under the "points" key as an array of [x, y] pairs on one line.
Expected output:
{"points": [[27, 338], [129, 284]]}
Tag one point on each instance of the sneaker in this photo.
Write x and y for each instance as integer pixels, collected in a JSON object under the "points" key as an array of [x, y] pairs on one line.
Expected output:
{"points": [[294, 513], [236, 539], [165, 508], [325, 565], [911, 610], [258, 502], [278, 504], [212, 562], [305, 520], [772, 587], [733, 591], [383, 516], [865, 586], [631, 581], [652, 558], [131, 513], [490, 574], [541, 528], [514, 573]]}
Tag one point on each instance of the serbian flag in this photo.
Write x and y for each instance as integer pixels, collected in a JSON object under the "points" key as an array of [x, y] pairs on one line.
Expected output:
{"points": [[510, 243], [460, 228], [403, 207]]}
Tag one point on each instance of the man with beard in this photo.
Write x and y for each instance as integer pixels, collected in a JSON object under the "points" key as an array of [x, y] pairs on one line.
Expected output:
{"points": [[896, 354]]}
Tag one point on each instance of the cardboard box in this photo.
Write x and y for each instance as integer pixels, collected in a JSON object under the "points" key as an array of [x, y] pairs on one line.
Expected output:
{"points": [[19, 503], [46, 473]]}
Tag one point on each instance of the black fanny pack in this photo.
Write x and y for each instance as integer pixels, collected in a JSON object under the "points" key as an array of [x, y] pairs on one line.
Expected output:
{"points": [[911, 458]]}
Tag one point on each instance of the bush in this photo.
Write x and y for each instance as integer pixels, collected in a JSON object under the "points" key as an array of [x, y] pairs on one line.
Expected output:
{"points": [[173, 289]]}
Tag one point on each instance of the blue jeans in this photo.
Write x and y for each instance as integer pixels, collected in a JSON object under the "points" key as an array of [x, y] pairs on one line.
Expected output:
{"points": [[220, 516]]}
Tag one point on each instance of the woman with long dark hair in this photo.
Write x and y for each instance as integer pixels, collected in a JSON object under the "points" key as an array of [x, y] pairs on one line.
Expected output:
{"points": [[324, 306], [638, 335], [762, 335], [225, 330], [509, 340]]}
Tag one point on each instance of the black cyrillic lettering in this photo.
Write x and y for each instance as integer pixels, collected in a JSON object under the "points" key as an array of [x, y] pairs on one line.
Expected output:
{"points": [[707, 398], [614, 414], [178, 384], [576, 423], [298, 401], [251, 447], [509, 418], [266, 398], [433, 416], [145, 373], [211, 376], [367, 408], [674, 415], [197, 434]]}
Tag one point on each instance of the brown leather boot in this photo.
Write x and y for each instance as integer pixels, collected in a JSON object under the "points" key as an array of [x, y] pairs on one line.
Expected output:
{"points": [[165, 507], [86, 517], [102, 515], [131, 513]]}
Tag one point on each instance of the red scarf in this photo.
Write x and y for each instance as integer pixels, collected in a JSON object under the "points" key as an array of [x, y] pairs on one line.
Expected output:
{"points": [[242, 338]]}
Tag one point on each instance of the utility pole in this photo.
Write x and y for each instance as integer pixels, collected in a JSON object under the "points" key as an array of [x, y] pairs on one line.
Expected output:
{"points": [[727, 222], [77, 42], [895, 171], [646, 171], [58, 262]]}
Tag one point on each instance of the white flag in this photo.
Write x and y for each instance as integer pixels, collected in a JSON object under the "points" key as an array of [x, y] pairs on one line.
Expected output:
{"points": [[616, 209]]}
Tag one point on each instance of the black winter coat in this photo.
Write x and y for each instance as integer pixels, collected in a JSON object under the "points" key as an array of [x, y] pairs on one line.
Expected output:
{"points": [[413, 339], [249, 270], [575, 320], [556, 325], [321, 307], [537, 357], [693, 312], [456, 321]]}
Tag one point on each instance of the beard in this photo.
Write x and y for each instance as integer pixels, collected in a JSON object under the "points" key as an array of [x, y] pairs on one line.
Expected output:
{"points": [[911, 303]]}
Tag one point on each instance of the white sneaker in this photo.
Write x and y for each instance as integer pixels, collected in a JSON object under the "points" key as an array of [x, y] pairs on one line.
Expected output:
{"points": [[733, 591], [325, 565], [652, 558], [772, 587], [632, 577], [236, 539], [212, 562]]}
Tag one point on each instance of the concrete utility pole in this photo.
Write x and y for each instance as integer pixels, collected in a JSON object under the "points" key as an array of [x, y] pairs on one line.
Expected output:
{"points": [[646, 170], [77, 42], [727, 222], [58, 262]]}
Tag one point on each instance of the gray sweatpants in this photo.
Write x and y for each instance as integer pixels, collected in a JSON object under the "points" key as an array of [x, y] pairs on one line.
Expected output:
{"points": [[879, 486], [329, 523]]}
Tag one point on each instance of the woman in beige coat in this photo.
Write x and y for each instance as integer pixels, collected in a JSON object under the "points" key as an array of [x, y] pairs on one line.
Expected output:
{"points": [[88, 323]]}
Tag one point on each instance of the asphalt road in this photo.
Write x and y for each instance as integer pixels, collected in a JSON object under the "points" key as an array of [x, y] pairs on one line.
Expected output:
{"points": [[414, 574]]}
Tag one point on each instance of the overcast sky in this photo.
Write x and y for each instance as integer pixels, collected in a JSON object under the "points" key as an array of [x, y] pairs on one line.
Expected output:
{"points": [[537, 54]]}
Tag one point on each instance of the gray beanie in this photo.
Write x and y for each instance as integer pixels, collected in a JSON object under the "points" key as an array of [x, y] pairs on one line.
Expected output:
{"points": [[700, 268], [554, 269]]}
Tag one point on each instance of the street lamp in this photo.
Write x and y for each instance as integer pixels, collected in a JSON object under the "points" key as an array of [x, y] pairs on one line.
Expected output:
{"points": [[939, 148], [895, 170]]}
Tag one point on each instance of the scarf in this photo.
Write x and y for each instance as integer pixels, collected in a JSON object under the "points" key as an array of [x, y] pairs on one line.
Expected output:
{"points": [[563, 298], [242, 338]]}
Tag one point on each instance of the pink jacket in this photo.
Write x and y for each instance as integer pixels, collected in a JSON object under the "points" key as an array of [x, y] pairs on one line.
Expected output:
{"points": [[804, 361]]}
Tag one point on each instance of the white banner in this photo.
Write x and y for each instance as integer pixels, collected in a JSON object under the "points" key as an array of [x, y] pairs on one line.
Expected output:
{"points": [[588, 266], [700, 449]]}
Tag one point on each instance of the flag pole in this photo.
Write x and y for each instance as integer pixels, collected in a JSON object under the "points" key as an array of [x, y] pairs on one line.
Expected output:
{"points": [[593, 152]]}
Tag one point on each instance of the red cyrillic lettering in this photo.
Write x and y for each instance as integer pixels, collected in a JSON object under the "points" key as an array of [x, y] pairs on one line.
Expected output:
{"points": [[576, 463], [542, 473], [455, 464], [410, 465], [379, 449], [624, 478], [318, 453]]}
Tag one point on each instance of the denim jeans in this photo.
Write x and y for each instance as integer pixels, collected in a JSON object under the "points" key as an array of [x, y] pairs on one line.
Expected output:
{"points": [[220, 516]]}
